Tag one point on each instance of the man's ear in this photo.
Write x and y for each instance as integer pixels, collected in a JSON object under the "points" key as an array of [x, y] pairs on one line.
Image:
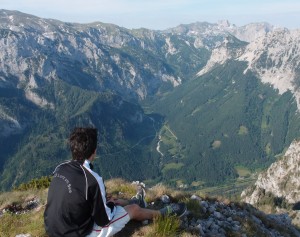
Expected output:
{"points": [[94, 155]]}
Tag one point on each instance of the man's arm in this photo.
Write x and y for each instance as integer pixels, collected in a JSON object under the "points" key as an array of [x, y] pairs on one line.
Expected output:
{"points": [[119, 202], [102, 211]]}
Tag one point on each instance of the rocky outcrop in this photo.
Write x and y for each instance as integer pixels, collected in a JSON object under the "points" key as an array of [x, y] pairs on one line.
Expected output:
{"points": [[21, 208], [277, 189], [281, 179], [217, 218]]}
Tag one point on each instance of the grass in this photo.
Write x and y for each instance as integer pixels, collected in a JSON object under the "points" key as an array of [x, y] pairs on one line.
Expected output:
{"points": [[119, 187], [268, 148], [30, 223], [243, 130], [242, 171], [230, 190], [169, 140], [172, 166], [164, 227], [160, 189], [197, 183]]}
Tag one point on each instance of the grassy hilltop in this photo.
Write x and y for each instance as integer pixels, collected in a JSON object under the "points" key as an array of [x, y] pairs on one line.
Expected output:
{"points": [[21, 212]]}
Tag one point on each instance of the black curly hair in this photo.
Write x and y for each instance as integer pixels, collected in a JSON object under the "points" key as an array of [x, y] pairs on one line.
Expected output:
{"points": [[83, 143]]}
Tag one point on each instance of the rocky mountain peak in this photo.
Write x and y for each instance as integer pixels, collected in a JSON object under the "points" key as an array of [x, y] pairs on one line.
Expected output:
{"points": [[224, 23], [275, 58], [246, 33], [252, 31], [273, 54]]}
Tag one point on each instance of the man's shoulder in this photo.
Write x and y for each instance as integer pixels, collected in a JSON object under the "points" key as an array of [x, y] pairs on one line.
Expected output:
{"points": [[92, 175], [62, 165]]}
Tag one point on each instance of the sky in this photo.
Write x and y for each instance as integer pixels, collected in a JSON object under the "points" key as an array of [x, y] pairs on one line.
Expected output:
{"points": [[162, 14]]}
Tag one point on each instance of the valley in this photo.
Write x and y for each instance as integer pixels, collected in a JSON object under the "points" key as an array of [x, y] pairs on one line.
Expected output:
{"points": [[199, 106]]}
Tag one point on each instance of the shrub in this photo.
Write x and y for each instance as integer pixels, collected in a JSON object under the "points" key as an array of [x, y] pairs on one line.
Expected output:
{"points": [[195, 208], [40, 183]]}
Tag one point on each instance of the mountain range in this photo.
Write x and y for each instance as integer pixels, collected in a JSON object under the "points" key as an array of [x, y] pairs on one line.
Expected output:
{"points": [[190, 106]]}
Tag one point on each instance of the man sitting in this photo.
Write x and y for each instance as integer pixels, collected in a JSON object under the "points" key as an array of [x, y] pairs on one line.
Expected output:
{"points": [[77, 203]]}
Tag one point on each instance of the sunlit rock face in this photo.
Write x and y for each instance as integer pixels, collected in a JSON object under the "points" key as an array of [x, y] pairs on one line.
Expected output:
{"points": [[281, 179]]}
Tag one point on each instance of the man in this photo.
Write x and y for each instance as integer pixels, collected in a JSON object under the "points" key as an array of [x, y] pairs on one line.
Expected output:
{"points": [[77, 203]]}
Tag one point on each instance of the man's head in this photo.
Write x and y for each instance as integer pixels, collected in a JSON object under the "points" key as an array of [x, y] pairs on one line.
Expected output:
{"points": [[83, 143]]}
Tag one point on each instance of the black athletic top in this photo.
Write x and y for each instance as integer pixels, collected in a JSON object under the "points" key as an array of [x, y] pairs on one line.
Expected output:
{"points": [[76, 199]]}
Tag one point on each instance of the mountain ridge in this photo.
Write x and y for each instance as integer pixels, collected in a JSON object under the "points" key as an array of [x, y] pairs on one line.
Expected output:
{"points": [[48, 65]]}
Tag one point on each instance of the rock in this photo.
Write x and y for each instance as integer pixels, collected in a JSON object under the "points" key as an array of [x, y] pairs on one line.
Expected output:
{"points": [[200, 229], [236, 228], [222, 231], [209, 223], [211, 209], [218, 215], [236, 222], [204, 204], [165, 199], [32, 204], [214, 227], [256, 220], [196, 197]]}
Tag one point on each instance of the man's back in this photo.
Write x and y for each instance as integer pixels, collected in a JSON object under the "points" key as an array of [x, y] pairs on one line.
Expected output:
{"points": [[69, 207]]}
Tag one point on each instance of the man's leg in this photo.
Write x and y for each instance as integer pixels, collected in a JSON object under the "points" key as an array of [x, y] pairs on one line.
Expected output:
{"points": [[140, 214], [123, 215], [120, 219], [137, 213]]}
